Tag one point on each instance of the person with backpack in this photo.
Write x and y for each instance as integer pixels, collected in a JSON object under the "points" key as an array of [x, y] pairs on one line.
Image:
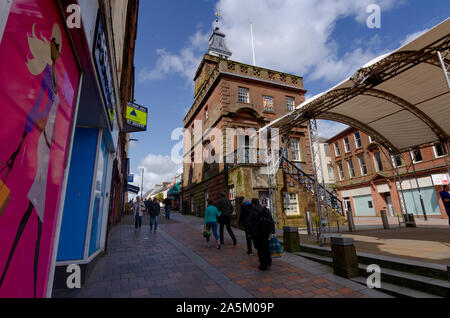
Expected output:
{"points": [[226, 209], [245, 218], [211, 216], [261, 227], [155, 209]]}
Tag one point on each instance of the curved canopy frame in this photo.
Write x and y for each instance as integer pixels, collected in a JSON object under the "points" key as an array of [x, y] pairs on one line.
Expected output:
{"points": [[401, 99]]}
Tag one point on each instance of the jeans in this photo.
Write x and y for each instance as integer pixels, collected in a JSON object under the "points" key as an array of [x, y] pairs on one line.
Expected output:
{"points": [[154, 220], [212, 226], [167, 209], [225, 220], [138, 221]]}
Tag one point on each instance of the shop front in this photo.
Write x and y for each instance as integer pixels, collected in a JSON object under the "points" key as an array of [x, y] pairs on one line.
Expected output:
{"points": [[39, 84]]}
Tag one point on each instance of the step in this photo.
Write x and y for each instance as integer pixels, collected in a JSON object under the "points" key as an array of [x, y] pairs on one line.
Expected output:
{"points": [[408, 280], [394, 290], [430, 270], [420, 284]]}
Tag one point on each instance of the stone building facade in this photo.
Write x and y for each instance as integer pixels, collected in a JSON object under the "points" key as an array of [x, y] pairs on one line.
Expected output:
{"points": [[366, 182], [230, 94]]}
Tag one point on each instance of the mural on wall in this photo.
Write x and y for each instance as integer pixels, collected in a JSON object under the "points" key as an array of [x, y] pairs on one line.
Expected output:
{"points": [[38, 86]]}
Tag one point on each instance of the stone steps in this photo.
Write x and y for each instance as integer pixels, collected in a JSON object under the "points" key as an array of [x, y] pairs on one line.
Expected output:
{"points": [[399, 283]]}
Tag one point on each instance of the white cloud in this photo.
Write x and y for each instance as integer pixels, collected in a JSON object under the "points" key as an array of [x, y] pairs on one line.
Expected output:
{"points": [[158, 169], [184, 63], [293, 36], [412, 37]]}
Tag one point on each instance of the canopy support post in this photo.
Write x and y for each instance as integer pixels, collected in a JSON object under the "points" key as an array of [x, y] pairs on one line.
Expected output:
{"points": [[317, 166]]}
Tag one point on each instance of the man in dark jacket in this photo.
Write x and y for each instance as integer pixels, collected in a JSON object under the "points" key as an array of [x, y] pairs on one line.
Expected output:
{"points": [[167, 203], [245, 219], [261, 226], [155, 209], [226, 209]]}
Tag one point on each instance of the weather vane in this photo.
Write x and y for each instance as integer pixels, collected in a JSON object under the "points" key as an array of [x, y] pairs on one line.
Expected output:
{"points": [[218, 15]]}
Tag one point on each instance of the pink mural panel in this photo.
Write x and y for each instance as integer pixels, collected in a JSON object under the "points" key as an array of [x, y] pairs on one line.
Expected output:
{"points": [[38, 83]]}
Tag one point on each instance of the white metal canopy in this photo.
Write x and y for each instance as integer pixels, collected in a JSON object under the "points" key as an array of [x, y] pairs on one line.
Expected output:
{"points": [[401, 99]]}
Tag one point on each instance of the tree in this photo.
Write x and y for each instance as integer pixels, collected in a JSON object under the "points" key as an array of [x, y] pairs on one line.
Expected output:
{"points": [[160, 197]]}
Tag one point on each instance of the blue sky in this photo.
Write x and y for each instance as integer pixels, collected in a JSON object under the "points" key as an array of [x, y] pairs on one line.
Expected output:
{"points": [[323, 41]]}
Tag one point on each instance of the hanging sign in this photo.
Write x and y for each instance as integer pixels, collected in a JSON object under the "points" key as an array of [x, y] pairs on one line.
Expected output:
{"points": [[136, 118]]}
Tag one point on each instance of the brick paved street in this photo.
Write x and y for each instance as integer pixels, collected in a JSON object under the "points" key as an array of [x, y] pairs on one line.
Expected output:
{"points": [[175, 263]]}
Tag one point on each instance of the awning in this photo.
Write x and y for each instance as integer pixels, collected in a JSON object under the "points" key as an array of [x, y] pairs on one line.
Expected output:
{"points": [[133, 189], [175, 190], [400, 99]]}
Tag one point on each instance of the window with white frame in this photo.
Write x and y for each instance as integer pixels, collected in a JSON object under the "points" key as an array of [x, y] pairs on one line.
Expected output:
{"points": [[337, 151], [340, 171], [377, 161], [416, 156], [330, 172], [290, 103], [290, 203], [371, 140], [358, 140], [397, 161], [439, 150], [347, 144], [363, 166], [351, 169], [295, 149], [243, 95]]}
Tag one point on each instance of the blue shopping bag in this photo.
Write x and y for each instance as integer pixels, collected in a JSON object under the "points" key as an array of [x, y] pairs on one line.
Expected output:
{"points": [[276, 250]]}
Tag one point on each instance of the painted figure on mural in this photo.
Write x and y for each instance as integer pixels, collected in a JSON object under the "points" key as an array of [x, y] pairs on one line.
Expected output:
{"points": [[45, 53]]}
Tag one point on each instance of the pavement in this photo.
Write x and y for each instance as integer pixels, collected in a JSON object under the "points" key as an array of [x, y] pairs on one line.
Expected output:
{"points": [[174, 262], [429, 242]]}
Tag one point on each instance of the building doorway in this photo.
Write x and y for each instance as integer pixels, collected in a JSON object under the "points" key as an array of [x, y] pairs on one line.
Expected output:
{"points": [[348, 205], [265, 200], [390, 206]]}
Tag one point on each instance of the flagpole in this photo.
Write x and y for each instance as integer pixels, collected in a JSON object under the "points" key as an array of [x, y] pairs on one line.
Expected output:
{"points": [[253, 44]]}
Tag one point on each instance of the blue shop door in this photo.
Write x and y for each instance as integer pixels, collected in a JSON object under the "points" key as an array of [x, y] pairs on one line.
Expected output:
{"points": [[99, 199]]}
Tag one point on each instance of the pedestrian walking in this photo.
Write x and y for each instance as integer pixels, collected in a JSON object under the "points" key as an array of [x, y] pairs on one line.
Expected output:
{"points": [[247, 216], [445, 196], [139, 208], [261, 227], [226, 209], [155, 210], [211, 216], [167, 203]]}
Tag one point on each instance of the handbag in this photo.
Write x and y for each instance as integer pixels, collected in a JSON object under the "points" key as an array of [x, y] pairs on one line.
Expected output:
{"points": [[5, 197], [276, 250]]}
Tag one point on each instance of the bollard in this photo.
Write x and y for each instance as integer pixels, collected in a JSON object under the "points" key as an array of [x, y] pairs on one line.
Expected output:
{"points": [[351, 223], [345, 261], [291, 239], [412, 220], [385, 220], [309, 223]]}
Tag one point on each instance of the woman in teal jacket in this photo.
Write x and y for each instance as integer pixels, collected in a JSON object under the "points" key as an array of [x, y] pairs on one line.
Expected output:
{"points": [[211, 215]]}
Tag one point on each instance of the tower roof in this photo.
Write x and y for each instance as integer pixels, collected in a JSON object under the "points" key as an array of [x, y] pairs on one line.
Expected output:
{"points": [[217, 45]]}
